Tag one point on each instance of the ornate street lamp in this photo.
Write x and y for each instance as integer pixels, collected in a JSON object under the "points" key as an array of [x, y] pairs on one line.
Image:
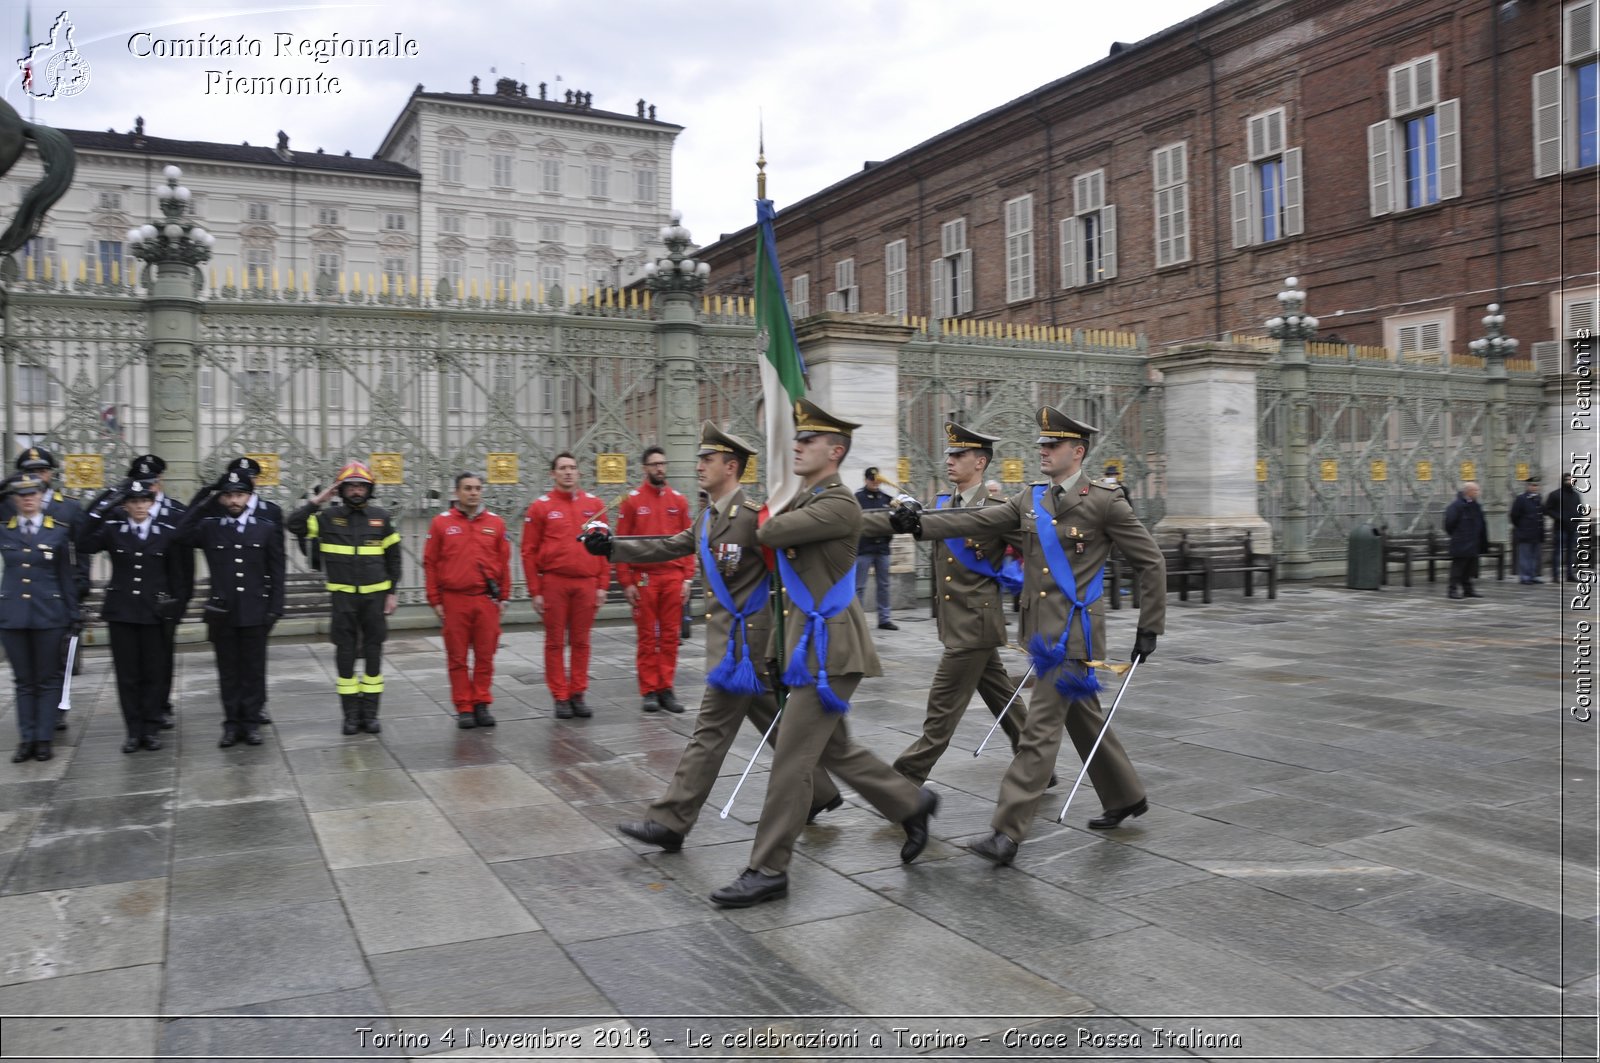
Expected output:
{"points": [[1494, 347], [175, 238], [1495, 343], [677, 279], [1292, 328], [677, 272]]}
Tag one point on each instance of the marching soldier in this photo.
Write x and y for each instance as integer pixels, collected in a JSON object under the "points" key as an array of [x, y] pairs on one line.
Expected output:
{"points": [[244, 554], [148, 468], [828, 649], [972, 581], [737, 683], [146, 595], [1067, 525], [38, 605], [360, 554]]}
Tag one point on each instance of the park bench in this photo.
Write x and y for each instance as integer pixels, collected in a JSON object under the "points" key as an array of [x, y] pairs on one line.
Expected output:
{"points": [[1404, 550], [1185, 568]]}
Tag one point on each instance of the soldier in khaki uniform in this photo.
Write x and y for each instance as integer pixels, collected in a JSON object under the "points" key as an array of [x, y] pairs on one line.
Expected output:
{"points": [[827, 649], [971, 584], [1067, 524], [737, 683]]}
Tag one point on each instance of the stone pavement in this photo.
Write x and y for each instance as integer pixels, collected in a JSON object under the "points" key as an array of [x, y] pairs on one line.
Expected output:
{"points": [[1372, 835]]}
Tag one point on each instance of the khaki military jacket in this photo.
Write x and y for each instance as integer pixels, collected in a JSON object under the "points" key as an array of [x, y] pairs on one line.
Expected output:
{"points": [[1091, 518], [734, 547], [969, 608], [818, 533]]}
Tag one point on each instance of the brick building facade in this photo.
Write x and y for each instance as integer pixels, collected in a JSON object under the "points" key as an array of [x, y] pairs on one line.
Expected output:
{"points": [[1411, 162]]}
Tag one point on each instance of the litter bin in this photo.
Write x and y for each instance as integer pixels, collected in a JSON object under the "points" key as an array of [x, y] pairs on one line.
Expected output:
{"points": [[1364, 561]]}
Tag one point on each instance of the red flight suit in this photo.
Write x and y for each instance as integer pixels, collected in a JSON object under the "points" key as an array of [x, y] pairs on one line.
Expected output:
{"points": [[658, 618], [461, 556], [556, 565]]}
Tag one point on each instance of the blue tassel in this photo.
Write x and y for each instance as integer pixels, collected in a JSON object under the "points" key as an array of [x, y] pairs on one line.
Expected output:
{"points": [[831, 702], [722, 675], [744, 679], [1077, 686], [1047, 656]]}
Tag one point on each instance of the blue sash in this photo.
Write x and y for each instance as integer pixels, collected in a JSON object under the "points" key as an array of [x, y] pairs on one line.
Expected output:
{"points": [[815, 632], [731, 676], [1048, 657], [1008, 574]]}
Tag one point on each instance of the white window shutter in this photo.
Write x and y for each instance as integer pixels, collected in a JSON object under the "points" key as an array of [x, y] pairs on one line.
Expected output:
{"points": [[939, 282], [964, 283], [1402, 94], [1256, 135], [1097, 188], [1449, 125], [1580, 317], [1108, 242], [1276, 134], [1161, 167], [1069, 253], [1239, 195], [1294, 211], [1581, 41], [1548, 147], [1380, 168], [1425, 76], [1430, 337], [1547, 356], [835, 301]]}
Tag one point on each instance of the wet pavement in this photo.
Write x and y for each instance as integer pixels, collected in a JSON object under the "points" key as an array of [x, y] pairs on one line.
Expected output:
{"points": [[1372, 835]]}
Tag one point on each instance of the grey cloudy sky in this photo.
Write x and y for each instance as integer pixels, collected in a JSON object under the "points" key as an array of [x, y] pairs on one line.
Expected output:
{"points": [[838, 81]]}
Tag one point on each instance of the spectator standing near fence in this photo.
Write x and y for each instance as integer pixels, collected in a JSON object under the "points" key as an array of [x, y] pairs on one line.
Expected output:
{"points": [[1469, 537], [1564, 507], [1527, 531], [872, 553], [566, 582], [654, 589], [467, 567]]}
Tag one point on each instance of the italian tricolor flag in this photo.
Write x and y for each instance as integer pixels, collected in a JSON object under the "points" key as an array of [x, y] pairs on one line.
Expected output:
{"points": [[783, 371]]}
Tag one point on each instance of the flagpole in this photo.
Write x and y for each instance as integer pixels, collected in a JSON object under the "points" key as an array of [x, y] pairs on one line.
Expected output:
{"points": [[780, 692]]}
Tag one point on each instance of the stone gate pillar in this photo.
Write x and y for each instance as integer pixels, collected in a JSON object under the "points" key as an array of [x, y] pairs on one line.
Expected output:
{"points": [[1210, 397], [853, 370], [678, 341], [173, 313]]}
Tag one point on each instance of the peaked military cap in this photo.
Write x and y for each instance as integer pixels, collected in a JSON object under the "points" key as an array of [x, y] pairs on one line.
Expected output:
{"points": [[140, 489], [36, 458], [714, 440], [235, 480], [959, 439], [147, 467], [247, 465], [811, 419], [1054, 426], [26, 485]]}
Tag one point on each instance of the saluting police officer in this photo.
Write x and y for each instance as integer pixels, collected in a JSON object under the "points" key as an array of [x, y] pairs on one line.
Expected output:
{"points": [[41, 464], [264, 508], [737, 683], [147, 593], [1066, 526], [148, 469], [244, 554], [38, 605], [972, 581], [360, 555]]}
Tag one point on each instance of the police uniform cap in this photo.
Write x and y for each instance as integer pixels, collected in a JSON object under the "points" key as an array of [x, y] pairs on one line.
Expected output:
{"points": [[236, 480], [1055, 426], [1532, 478], [811, 419], [140, 489], [959, 439], [25, 485], [147, 467], [36, 458], [247, 465], [714, 440]]}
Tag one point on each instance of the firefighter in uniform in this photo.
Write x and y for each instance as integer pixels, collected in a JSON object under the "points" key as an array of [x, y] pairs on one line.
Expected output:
{"points": [[38, 604], [655, 589], [972, 581], [145, 596], [1066, 526], [359, 553], [738, 623], [148, 468], [467, 567], [244, 555], [567, 585]]}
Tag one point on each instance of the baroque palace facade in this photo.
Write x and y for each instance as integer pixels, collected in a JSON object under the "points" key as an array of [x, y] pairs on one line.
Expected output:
{"points": [[500, 190], [1410, 162]]}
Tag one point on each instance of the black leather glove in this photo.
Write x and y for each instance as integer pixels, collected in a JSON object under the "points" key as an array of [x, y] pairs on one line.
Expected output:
{"points": [[597, 540], [1144, 644], [906, 518]]}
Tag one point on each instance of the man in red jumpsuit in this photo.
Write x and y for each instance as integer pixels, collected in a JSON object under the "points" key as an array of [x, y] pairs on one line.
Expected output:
{"points": [[567, 584], [467, 562], [655, 591]]}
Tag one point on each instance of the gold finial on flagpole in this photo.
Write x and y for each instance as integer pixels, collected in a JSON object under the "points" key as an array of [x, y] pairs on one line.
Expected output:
{"points": [[761, 156]]}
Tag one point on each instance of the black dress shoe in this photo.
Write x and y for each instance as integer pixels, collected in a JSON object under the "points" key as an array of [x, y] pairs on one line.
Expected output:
{"points": [[41, 751], [580, 707], [1115, 816], [997, 848], [467, 721], [827, 806], [167, 721], [263, 719], [652, 833], [229, 737], [751, 888], [563, 710], [252, 737], [150, 742], [1455, 594], [1471, 593], [61, 717], [650, 703], [917, 826], [669, 701], [130, 745], [888, 625], [24, 752], [482, 716]]}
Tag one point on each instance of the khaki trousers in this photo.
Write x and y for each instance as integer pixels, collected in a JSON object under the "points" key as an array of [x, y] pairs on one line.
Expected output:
{"points": [[809, 735], [1116, 784], [959, 675], [715, 728]]}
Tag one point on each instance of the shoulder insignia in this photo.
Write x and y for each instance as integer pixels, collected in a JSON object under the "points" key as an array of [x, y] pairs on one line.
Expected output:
{"points": [[1109, 485], [751, 506], [633, 492], [49, 521], [1038, 483]]}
